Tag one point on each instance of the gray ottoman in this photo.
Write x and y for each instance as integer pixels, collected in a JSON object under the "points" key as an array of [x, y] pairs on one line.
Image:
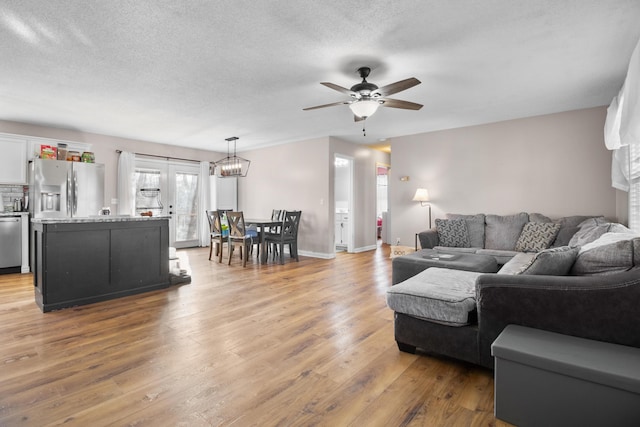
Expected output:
{"points": [[548, 379], [407, 266]]}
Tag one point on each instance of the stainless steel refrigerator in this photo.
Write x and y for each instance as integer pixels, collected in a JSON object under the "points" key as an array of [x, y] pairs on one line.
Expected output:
{"points": [[61, 189]]}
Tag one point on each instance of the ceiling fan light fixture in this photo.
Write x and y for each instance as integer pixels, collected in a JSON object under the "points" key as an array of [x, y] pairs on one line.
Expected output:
{"points": [[364, 108]]}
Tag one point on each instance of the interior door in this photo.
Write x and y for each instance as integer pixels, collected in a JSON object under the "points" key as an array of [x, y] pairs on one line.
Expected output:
{"points": [[168, 188]]}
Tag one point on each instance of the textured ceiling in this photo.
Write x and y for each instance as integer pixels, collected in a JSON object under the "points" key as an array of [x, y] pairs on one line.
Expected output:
{"points": [[193, 72]]}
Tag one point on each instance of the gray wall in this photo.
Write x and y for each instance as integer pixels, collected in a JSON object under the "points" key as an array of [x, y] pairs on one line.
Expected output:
{"points": [[301, 176], [555, 164], [104, 148]]}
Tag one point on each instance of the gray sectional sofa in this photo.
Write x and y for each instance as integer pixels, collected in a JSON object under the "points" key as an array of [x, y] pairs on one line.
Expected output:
{"points": [[581, 278], [503, 236]]}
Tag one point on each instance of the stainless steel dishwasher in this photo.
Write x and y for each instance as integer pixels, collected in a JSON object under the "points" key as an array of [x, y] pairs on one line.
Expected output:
{"points": [[10, 241]]}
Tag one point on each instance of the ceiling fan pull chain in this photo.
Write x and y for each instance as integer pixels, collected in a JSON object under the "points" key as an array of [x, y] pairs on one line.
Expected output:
{"points": [[364, 132]]}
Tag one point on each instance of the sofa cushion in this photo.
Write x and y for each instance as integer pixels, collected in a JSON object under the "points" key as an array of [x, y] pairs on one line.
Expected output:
{"points": [[568, 227], [437, 294], [538, 217], [552, 262], [517, 264], [502, 231], [452, 233], [590, 231], [610, 253], [537, 236], [475, 227]]}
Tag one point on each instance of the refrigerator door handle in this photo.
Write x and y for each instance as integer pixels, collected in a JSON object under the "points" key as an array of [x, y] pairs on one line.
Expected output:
{"points": [[68, 191], [75, 192]]}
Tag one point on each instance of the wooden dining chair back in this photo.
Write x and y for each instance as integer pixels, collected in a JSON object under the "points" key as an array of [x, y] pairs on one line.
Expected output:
{"points": [[216, 234], [238, 233], [286, 235]]}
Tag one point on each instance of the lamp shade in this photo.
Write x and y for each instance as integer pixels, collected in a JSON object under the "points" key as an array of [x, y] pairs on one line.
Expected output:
{"points": [[364, 108], [422, 195]]}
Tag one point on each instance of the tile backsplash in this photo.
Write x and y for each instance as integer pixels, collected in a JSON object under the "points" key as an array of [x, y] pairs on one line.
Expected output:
{"points": [[9, 193]]}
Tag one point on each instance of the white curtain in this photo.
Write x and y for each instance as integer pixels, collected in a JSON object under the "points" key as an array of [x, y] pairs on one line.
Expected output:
{"points": [[126, 185], [622, 125], [204, 203], [630, 117]]}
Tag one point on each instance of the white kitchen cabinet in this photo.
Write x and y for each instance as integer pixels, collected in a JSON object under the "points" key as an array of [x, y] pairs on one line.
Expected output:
{"points": [[13, 161]]}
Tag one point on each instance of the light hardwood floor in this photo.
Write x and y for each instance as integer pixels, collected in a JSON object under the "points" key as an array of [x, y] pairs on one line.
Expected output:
{"points": [[308, 343]]}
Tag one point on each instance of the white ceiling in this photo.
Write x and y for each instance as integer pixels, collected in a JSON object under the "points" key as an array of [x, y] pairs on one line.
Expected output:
{"points": [[193, 72]]}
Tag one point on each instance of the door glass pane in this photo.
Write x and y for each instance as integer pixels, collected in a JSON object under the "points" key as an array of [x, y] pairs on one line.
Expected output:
{"points": [[186, 209], [148, 194]]}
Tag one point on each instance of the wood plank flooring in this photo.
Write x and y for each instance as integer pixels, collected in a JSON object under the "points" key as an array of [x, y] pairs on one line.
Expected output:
{"points": [[300, 344]]}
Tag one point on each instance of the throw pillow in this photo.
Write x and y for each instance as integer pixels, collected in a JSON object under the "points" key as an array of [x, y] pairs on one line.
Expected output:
{"points": [[475, 228], [452, 233], [552, 262], [537, 236]]}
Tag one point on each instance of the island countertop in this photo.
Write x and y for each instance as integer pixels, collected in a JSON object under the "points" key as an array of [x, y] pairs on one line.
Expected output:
{"points": [[97, 218]]}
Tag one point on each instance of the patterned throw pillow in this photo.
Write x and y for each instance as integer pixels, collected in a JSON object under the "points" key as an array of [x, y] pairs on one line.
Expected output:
{"points": [[537, 236], [452, 233]]}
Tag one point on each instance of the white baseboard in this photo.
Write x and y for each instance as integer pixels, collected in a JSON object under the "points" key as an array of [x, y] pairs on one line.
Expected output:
{"points": [[365, 249], [321, 255]]}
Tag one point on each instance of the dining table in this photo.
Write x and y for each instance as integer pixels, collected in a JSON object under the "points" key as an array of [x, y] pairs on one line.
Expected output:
{"points": [[261, 226]]}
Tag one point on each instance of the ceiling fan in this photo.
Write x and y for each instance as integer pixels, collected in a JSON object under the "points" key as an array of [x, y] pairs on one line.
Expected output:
{"points": [[367, 97]]}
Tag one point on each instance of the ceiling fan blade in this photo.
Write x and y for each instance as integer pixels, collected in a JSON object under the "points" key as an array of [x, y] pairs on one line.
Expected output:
{"points": [[338, 88], [327, 105], [397, 86], [396, 103]]}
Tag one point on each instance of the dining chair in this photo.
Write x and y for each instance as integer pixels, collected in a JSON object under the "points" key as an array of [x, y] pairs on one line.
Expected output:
{"points": [[287, 234], [276, 215], [238, 233], [216, 234]]}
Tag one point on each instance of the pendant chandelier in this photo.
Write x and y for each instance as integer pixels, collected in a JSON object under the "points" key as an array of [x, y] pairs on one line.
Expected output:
{"points": [[231, 165]]}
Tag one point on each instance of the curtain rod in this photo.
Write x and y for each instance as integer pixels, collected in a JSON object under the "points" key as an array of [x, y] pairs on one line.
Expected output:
{"points": [[163, 157]]}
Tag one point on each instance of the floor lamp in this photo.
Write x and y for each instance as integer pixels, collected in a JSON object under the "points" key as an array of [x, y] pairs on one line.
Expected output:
{"points": [[422, 196]]}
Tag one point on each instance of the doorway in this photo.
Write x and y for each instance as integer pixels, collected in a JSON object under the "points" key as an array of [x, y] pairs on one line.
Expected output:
{"points": [[170, 188], [343, 203], [382, 202]]}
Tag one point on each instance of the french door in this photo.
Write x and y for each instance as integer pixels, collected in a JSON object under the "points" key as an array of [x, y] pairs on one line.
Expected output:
{"points": [[170, 188]]}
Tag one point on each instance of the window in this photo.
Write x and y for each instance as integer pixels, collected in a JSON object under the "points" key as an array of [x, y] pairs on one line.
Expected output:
{"points": [[634, 187]]}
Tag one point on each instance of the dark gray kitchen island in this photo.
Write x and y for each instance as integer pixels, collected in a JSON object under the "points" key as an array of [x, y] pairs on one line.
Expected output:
{"points": [[85, 260]]}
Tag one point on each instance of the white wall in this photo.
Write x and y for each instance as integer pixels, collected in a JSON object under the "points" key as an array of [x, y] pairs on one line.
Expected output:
{"points": [[554, 164]]}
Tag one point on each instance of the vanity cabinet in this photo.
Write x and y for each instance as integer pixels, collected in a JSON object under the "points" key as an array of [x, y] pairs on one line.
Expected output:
{"points": [[342, 229]]}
